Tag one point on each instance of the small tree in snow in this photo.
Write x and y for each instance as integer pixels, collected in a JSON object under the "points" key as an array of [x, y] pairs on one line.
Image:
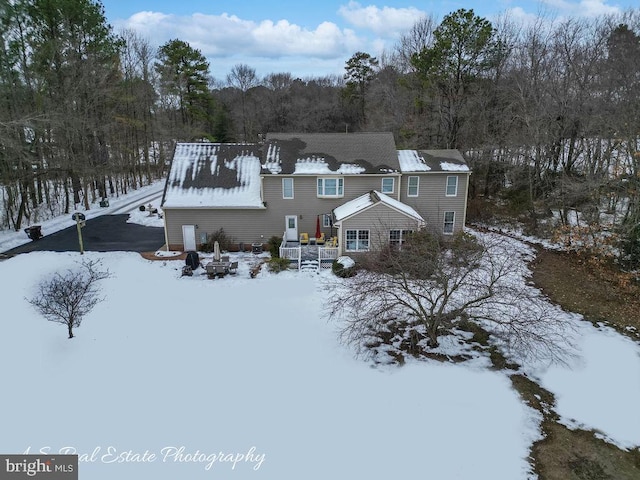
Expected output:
{"points": [[68, 297], [433, 284]]}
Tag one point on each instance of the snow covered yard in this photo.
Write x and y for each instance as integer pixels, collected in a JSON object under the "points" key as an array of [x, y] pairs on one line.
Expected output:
{"points": [[178, 377], [233, 365]]}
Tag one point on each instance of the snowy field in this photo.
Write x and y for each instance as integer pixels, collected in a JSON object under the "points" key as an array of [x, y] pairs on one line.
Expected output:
{"points": [[176, 377]]}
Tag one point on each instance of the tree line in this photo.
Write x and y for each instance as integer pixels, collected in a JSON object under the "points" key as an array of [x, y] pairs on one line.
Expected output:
{"points": [[547, 113]]}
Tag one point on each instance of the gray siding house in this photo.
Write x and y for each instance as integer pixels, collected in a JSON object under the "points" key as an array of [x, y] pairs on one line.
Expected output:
{"points": [[356, 189]]}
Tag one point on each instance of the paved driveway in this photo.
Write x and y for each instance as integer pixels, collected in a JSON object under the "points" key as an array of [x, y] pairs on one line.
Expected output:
{"points": [[106, 233]]}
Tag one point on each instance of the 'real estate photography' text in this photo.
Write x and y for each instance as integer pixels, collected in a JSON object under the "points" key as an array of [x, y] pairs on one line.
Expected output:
{"points": [[209, 460]]}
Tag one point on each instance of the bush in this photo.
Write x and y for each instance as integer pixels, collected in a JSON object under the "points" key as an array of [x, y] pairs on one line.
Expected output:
{"points": [[339, 270], [219, 236], [277, 264], [630, 244], [273, 246]]}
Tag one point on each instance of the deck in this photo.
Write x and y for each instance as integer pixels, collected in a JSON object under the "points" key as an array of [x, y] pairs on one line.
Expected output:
{"points": [[309, 256]]}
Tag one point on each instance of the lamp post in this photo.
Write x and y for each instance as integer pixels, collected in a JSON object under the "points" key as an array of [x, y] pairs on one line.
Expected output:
{"points": [[79, 219]]}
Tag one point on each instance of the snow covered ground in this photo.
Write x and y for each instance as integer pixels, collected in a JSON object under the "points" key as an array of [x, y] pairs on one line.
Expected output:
{"points": [[178, 377]]}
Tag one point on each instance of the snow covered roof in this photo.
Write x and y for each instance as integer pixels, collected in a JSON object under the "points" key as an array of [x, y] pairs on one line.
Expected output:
{"points": [[214, 175], [415, 161], [370, 199], [330, 153]]}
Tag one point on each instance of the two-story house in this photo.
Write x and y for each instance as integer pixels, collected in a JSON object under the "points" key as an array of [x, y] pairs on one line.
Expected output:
{"points": [[354, 187]]}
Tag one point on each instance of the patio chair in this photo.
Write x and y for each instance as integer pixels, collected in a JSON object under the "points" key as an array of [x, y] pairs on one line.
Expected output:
{"points": [[333, 242], [233, 268], [304, 239], [321, 239]]}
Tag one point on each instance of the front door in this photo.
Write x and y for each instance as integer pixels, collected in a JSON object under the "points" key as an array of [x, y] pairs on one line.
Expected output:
{"points": [[189, 237], [291, 228]]}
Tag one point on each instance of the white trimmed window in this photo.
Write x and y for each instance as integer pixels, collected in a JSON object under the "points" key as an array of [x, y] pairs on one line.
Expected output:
{"points": [[388, 184], [326, 220], [357, 240], [449, 220], [412, 186], [287, 188], [330, 187], [398, 237], [452, 186]]}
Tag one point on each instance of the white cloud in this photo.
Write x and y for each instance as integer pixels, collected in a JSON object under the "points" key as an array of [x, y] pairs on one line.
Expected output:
{"points": [[283, 39], [385, 21], [227, 35], [584, 8]]}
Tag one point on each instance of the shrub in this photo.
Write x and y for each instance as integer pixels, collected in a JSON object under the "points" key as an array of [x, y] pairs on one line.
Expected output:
{"points": [[277, 264], [273, 246], [339, 270], [630, 243], [219, 236]]}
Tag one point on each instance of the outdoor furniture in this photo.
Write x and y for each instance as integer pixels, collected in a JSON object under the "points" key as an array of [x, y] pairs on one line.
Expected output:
{"points": [[216, 269], [304, 238], [321, 239], [333, 242], [221, 270]]}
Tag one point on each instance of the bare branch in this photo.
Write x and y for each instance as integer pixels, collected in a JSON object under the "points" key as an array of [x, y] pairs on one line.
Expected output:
{"points": [[435, 284]]}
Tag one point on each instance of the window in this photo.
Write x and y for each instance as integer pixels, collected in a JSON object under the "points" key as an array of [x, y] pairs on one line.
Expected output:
{"points": [[387, 185], [330, 187], [357, 240], [326, 220], [398, 237], [287, 188], [452, 186], [412, 186], [449, 218]]}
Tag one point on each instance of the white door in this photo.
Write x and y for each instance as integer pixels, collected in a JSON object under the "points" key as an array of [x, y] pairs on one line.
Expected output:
{"points": [[189, 237], [291, 227]]}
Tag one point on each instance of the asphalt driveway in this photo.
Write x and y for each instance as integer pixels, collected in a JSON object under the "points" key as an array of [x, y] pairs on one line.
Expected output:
{"points": [[106, 233]]}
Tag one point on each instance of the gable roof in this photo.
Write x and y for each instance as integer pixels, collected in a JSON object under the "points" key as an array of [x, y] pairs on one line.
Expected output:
{"points": [[330, 153], [415, 161], [370, 199], [214, 175]]}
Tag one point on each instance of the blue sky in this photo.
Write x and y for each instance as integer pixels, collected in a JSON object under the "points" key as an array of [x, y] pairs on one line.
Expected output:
{"points": [[312, 38]]}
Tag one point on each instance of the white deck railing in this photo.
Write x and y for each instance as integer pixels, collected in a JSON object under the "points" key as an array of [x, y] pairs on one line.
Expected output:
{"points": [[326, 253], [291, 253]]}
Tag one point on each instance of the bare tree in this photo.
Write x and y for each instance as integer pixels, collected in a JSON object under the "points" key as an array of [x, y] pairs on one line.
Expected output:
{"points": [[432, 285], [244, 78], [68, 297], [419, 37]]}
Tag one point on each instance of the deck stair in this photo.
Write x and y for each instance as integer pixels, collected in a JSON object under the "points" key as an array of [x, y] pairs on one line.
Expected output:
{"points": [[309, 265]]}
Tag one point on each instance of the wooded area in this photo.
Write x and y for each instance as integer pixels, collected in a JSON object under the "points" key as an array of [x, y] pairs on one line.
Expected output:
{"points": [[548, 114]]}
